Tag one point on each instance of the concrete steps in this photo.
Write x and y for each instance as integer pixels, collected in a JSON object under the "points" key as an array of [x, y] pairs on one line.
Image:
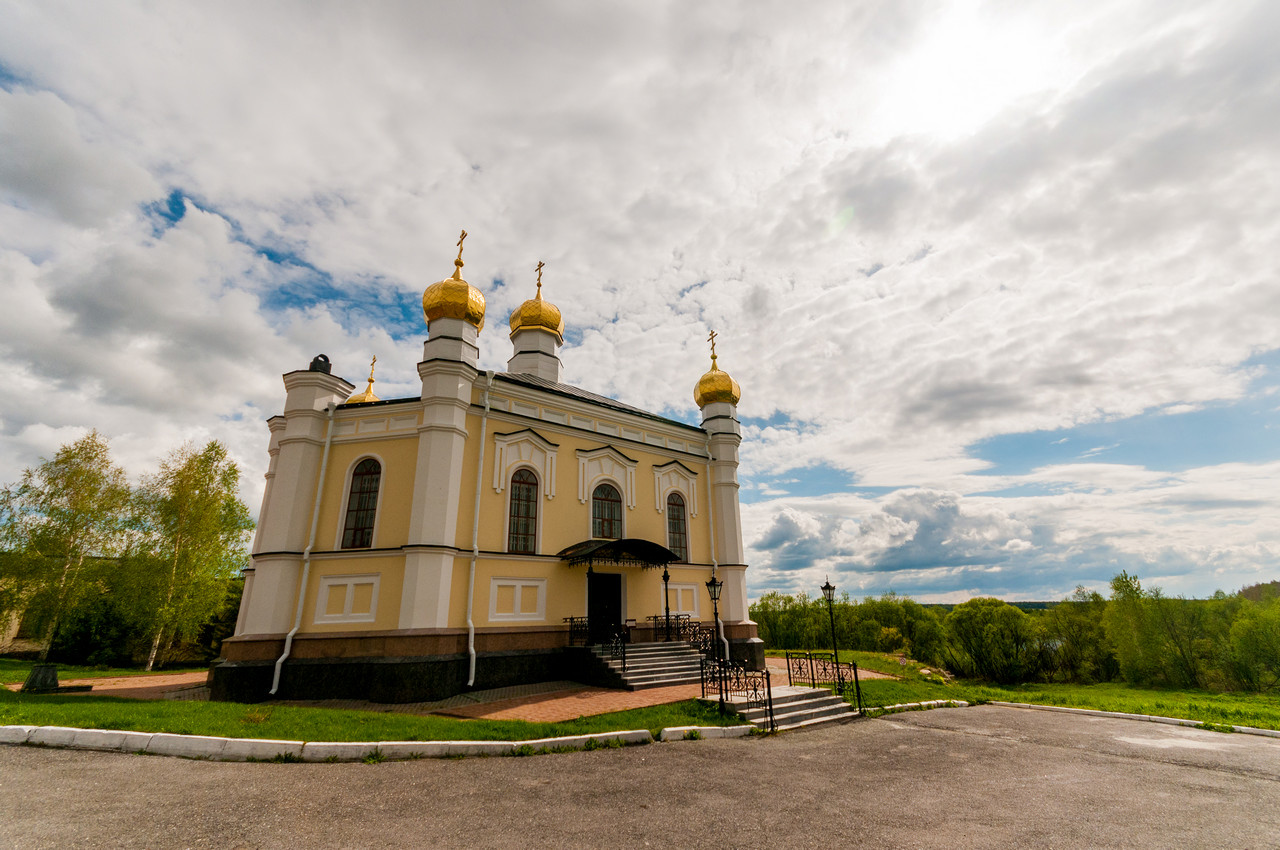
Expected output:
{"points": [[797, 708], [654, 665]]}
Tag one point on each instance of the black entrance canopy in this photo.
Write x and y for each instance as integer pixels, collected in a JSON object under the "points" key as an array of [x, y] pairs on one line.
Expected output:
{"points": [[628, 552]]}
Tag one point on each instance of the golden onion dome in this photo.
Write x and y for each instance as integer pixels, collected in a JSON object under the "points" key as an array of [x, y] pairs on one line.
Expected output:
{"points": [[454, 298], [538, 314], [716, 385]]}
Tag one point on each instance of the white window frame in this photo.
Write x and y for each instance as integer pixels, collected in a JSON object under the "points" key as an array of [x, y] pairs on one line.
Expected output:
{"points": [[346, 498], [322, 598], [519, 583]]}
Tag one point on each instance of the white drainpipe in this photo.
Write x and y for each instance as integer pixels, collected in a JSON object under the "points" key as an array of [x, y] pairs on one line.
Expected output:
{"points": [[475, 539], [711, 518], [306, 553]]}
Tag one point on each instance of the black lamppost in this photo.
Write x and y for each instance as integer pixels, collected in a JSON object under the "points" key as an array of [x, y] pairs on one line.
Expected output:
{"points": [[829, 592], [713, 590], [666, 598]]}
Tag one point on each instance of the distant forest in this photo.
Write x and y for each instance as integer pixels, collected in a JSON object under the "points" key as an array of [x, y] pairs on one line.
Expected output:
{"points": [[1135, 634]]}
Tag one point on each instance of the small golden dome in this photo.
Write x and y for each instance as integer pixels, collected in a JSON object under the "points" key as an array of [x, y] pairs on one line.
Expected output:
{"points": [[716, 385], [367, 395], [536, 313], [454, 298]]}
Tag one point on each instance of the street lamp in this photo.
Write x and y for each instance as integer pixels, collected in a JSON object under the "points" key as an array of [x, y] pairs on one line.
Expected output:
{"points": [[666, 598], [829, 592], [713, 590]]}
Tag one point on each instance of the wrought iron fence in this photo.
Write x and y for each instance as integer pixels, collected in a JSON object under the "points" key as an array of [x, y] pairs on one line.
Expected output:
{"points": [[618, 646], [822, 669], [729, 678], [577, 630]]}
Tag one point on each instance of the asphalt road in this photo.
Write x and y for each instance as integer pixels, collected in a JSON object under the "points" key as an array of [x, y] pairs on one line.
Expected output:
{"points": [[957, 778]]}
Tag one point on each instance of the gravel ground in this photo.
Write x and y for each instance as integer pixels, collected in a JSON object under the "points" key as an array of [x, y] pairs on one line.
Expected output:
{"points": [[958, 778]]}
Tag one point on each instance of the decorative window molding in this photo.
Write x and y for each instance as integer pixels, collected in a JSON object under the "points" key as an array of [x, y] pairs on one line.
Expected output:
{"points": [[524, 448], [684, 598], [680, 478], [606, 463], [347, 599], [345, 516], [517, 599]]}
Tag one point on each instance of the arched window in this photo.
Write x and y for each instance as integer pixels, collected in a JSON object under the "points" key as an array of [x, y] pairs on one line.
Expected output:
{"points": [[362, 504], [606, 512], [522, 529], [677, 529]]}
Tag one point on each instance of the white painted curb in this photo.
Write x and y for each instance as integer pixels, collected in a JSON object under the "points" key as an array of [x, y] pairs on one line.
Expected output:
{"points": [[258, 749], [915, 706], [679, 733], [1150, 718]]}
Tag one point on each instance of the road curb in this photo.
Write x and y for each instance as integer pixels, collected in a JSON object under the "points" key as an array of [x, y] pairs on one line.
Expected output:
{"points": [[1150, 718], [913, 706], [259, 749]]}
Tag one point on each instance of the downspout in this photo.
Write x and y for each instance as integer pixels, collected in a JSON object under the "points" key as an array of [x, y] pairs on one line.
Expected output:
{"points": [[475, 539], [306, 553], [711, 518]]}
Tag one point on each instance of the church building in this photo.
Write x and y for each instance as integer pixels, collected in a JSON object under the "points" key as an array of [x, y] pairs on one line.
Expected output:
{"points": [[468, 537]]}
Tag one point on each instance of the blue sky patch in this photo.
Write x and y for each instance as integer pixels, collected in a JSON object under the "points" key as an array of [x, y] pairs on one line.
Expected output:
{"points": [[1242, 431]]}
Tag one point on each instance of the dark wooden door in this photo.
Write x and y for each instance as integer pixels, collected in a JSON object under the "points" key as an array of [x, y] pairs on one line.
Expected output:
{"points": [[604, 606]]}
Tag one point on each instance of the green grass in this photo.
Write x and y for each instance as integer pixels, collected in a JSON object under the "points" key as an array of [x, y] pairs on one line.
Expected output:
{"points": [[915, 685], [236, 720], [1221, 709], [15, 670]]}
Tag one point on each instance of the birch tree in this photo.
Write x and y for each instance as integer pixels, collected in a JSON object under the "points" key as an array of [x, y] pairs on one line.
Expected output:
{"points": [[60, 524], [193, 533]]}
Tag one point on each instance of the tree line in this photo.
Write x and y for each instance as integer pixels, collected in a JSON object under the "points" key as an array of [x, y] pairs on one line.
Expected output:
{"points": [[102, 572], [1136, 634]]}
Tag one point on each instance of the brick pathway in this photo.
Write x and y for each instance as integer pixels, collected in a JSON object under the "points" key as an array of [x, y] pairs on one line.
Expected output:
{"points": [[165, 686], [580, 702]]}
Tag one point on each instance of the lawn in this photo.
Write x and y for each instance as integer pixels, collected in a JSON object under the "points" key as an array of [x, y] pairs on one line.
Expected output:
{"points": [[291, 723], [918, 683]]}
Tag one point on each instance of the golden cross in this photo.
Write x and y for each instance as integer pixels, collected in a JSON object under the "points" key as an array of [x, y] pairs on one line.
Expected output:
{"points": [[539, 270], [460, 238], [373, 363], [712, 339]]}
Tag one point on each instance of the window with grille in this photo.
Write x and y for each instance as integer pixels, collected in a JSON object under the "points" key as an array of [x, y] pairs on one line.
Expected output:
{"points": [[606, 512], [677, 529], [522, 529], [362, 504]]}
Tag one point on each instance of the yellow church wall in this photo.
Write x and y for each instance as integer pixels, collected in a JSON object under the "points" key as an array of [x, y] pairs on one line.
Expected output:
{"points": [[564, 519], [398, 457], [354, 593]]}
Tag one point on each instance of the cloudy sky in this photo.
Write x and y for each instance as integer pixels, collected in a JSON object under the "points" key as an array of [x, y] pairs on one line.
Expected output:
{"points": [[998, 280]]}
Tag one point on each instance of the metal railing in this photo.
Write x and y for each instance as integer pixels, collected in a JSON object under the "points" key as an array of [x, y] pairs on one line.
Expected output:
{"points": [[618, 646], [822, 669], [578, 633], [729, 678]]}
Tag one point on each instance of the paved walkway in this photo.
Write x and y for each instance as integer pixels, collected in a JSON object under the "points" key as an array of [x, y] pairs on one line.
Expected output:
{"points": [[142, 686], [543, 702]]}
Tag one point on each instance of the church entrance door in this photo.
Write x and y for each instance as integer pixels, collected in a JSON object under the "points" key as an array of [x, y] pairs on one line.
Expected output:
{"points": [[604, 606]]}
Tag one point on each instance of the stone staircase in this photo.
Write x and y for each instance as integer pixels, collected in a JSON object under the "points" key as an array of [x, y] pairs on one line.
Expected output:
{"points": [[653, 665], [797, 708]]}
